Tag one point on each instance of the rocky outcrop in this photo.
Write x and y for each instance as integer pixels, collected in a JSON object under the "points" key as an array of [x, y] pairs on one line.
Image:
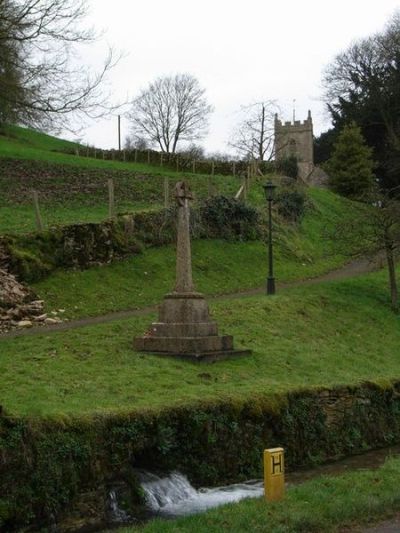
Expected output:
{"points": [[18, 304]]}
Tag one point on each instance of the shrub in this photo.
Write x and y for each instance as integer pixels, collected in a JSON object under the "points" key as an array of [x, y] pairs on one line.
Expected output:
{"points": [[288, 167], [291, 204], [229, 218]]}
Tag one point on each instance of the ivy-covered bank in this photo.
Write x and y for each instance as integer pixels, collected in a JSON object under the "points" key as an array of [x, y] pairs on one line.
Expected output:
{"points": [[62, 470]]}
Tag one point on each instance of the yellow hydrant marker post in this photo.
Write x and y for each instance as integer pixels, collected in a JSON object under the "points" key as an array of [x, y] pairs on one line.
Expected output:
{"points": [[274, 474]]}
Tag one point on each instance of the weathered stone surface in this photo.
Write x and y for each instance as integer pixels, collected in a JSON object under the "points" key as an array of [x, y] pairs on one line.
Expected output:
{"points": [[25, 324], [180, 308], [182, 345], [184, 328], [49, 321], [18, 306]]}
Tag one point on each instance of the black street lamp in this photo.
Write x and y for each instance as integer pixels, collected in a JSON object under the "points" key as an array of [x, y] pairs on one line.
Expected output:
{"points": [[269, 189]]}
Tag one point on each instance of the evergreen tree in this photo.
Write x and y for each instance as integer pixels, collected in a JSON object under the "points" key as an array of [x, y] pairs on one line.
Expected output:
{"points": [[351, 168]]}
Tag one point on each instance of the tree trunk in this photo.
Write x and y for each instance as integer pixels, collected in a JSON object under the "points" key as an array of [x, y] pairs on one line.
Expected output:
{"points": [[394, 297]]}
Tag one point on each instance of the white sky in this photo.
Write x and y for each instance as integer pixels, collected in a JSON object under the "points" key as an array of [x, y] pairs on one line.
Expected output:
{"points": [[240, 52]]}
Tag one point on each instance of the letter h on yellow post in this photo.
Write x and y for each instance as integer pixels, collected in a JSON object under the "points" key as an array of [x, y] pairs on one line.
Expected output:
{"points": [[274, 474]]}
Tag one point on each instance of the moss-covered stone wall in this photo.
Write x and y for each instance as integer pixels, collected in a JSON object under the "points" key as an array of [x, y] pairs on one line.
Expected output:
{"points": [[34, 256], [55, 469]]}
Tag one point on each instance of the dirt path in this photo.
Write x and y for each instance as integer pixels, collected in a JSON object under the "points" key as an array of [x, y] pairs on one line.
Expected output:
{"points": [[352, 269]]}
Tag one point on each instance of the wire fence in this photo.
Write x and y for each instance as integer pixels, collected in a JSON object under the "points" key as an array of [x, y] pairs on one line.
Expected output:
{"points": [[175, 162], [40, 206]]}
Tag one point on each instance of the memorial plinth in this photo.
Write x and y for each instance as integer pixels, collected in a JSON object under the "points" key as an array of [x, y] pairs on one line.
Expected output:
{"points": [[184, 328]]}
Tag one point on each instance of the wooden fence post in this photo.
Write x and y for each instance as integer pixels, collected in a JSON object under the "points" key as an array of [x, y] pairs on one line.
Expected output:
{"points": [[212, 168], [194, 166], [135, 156], [39, 221], [111, 202], [166, 192], [234, 168]]}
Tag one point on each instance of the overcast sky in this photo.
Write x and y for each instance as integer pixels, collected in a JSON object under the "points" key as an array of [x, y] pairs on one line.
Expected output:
{"points": [[240, 52]]}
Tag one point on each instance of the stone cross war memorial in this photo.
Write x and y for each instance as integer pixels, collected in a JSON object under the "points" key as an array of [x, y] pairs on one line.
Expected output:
{"points": [[185, 328]]}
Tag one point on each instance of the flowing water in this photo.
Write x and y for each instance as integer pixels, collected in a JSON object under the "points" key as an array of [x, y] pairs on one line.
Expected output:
{"points": [[172, 495]]}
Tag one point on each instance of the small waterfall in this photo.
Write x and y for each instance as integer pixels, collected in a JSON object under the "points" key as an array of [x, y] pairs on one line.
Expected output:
{"points": [[174, 495], [116, 513]]}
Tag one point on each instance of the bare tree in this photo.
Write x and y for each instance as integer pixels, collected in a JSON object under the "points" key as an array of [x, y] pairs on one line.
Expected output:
{"points": [[374, 229], [171, 109], [135, 143], [42, 83], [193, 151], [253, 138]]}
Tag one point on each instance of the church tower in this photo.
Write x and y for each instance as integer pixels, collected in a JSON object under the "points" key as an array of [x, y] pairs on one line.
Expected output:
{"points": [[296, 139]]}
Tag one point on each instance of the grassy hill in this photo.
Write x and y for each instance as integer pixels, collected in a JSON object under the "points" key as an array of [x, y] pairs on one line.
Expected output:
{"points": [[309, 336], [285, 330], [74, 189], [301, 251]]}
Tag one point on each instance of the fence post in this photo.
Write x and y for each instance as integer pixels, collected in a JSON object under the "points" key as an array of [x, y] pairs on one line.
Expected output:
{"points": [[194, 166], [135, 155], [111, 202], [234, 168], [95, 153], [166, 192], [124, 155], [161, 159], [103, 154], [39, 221], [212, 168]]}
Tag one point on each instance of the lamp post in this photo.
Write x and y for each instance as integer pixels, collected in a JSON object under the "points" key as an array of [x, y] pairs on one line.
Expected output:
{"points": [[269, 189]]}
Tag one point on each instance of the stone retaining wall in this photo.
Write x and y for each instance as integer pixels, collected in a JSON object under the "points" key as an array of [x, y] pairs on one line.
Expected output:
{"points": [[54, 470]]}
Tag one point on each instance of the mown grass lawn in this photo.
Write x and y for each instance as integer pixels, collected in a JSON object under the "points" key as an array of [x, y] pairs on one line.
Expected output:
{"points": [[333, 333], [323, 505]]}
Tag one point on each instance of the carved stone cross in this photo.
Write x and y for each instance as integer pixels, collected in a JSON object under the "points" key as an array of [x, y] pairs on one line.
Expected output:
{"points": [[184, 279]]}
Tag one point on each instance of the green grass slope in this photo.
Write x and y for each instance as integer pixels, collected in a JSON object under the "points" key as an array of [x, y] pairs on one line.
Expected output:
{"points": [[323, 335], [73, 189], [219, 267]]}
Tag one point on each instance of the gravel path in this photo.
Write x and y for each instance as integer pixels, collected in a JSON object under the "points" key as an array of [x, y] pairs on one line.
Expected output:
{"points": [[352, 269]]}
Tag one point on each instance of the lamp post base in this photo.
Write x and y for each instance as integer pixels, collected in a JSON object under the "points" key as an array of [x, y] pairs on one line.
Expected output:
{"points": [[270, 285]]}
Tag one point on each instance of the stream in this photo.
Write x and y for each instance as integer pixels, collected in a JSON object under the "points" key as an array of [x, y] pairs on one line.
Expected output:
{"points": [[172, 495]]}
